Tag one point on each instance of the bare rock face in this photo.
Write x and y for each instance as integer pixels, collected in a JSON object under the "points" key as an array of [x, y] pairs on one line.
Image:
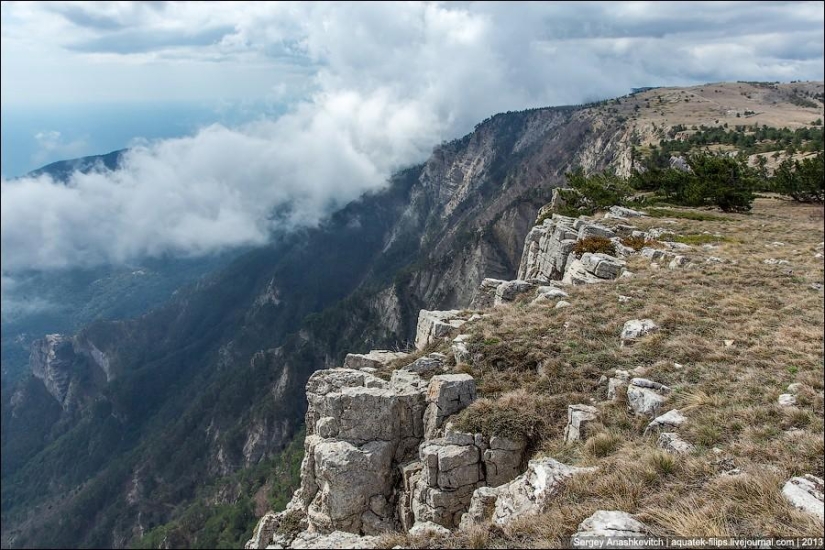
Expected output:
{"points": [[375, 359], [502, 460], [451, 472], [806, 493], [578, 418], [526, 495], [593, 268], [359, 429], [433, 325], [607, 524], [51, 361], [547, 248], [447, 394]]}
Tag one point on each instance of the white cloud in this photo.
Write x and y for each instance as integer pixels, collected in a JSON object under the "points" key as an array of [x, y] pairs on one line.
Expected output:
{"points": [[373, 86]]}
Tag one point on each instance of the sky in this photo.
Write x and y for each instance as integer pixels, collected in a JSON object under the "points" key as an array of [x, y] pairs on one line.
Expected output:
{"points": [[234, 110]]}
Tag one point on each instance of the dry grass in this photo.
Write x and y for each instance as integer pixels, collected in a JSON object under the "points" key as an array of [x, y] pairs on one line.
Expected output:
{"points": [[530, 362]]}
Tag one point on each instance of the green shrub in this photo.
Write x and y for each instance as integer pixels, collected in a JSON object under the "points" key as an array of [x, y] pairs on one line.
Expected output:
{"points": [[802, 181]]}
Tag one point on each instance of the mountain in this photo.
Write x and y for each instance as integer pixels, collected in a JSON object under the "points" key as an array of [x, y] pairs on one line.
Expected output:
{"points": [[124, 423], [36, 303]]}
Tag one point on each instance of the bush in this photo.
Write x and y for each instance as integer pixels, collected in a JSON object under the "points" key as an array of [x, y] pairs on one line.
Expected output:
{"points": [[638, 243], [595, 245], [587, 194], [802, 181]]}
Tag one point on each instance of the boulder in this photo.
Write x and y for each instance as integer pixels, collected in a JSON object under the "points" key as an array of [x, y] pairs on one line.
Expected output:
{"points": [[623, 212], [786, 400], [375, 359], [806, 493], [608, 524], [486, 294], [433, 325], [578, 418], [502, 460], [636, 328], [671, 419], [508, 290], [524, 496], [672, 443], [645, 397], [428, 528], [427, 364], [589, 229]]}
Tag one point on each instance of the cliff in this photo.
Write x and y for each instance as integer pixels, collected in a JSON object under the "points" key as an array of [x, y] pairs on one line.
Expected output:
{"points": [[403, 445]]}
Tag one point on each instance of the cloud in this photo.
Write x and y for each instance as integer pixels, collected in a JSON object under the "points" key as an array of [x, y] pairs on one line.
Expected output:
{"points": [[372, 87], [51, 144]]}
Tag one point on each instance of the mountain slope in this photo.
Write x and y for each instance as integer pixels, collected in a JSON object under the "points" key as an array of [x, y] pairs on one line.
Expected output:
{"points": [[213, 381]]}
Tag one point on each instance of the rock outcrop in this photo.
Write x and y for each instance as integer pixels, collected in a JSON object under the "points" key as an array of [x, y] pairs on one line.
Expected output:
{"points": [[433, 325], [578, 419], [375, 359], [526, 495]]}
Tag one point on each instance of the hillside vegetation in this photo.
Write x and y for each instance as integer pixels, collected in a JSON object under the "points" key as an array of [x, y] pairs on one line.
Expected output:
{"points": [[737, 326]]}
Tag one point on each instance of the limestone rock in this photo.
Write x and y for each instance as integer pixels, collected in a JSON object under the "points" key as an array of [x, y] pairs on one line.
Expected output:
{"points": [[502, 460], [603, 266], [447, 394], [546, 249], [433, 325], [672, 443], [786, 400], [671, 419], [578, 418], [508, 290], [626, 212], [636, 328], [428, 527], [562, 303], [678, 261], [616, 385], [333, 541], [427, 364], [51, 361], [806, 493], [460, 350], [375, 359], [486, 294], [525, 495], [576, 274], [588, 229], [606, 524], [644, 397]]}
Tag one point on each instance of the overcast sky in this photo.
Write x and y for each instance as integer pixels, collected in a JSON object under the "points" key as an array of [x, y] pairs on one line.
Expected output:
{"points": [[367, 88]]}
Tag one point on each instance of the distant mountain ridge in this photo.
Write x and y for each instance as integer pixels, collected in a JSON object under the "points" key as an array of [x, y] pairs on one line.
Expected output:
{"points": [[63, 169]]}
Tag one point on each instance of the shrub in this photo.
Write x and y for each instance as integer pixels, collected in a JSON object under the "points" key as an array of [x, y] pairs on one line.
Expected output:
{"points": [[802, 181], [636, 243], [595, 245]]}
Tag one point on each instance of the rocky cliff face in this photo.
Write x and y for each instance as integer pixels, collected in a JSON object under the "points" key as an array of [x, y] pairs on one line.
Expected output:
{"points": [[194, 366]]}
